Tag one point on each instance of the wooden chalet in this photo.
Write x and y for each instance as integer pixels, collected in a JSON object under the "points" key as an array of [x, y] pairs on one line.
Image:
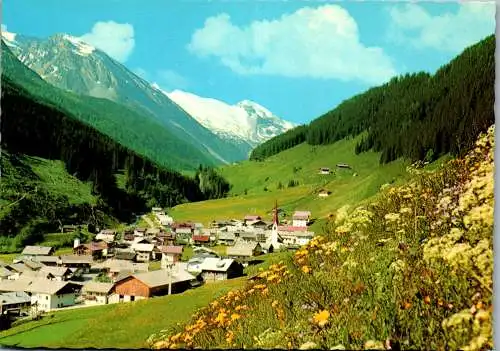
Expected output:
{"points": [[201, 239], [96, 249], [155, 283]]}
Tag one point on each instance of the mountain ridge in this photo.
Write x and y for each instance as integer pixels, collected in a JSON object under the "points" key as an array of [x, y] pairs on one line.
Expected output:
{"points": [[69, 63], [245, 121]]}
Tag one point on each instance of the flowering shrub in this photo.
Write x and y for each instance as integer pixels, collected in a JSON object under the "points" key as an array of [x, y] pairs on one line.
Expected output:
{"points": [[411, 270]]}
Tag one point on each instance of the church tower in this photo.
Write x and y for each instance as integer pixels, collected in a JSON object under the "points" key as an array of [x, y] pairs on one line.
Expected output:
{"points": [[274, 230]]}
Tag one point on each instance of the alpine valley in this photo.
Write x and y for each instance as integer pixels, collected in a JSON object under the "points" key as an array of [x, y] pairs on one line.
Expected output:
{"points": [[217, 132]]}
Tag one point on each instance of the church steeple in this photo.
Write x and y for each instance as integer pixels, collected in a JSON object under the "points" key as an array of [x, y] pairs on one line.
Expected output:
{"points": [[275, 213], [274, 231]]}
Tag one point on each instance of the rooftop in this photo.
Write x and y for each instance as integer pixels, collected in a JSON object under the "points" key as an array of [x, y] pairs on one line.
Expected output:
{"points": [[37, 250], [98, 287], [161, 277]]}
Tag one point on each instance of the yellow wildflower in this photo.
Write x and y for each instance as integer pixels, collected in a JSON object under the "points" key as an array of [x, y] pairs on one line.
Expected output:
{"points": [[321, 318]]}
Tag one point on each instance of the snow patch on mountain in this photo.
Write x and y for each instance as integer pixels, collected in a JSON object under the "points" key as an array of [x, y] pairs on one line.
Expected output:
{"points": [[8, 36], [246, 120], [82, 48]]}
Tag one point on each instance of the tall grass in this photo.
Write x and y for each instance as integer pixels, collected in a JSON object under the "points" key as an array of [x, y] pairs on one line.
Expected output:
{"points": [[411, 269]]}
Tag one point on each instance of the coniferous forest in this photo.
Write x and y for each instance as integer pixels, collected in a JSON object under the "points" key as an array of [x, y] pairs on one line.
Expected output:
{"points": [[415, 116]]}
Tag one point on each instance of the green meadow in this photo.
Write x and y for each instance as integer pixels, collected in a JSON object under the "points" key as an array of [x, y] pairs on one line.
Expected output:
{"points": [[257, 185]]}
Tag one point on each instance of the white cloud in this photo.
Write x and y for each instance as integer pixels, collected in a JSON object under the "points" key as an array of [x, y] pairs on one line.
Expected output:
{"points": [[115, 39], [320, 42], [451, 31]]}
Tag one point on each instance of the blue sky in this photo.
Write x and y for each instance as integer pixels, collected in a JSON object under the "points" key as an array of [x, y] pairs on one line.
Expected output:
{"points": [[297, 58]]}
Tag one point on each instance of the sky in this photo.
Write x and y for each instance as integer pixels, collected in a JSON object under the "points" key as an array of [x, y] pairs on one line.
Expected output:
{"points": [[299, 59]]}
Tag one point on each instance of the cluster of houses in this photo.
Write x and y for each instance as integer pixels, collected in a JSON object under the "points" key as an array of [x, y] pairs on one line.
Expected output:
{"points": [[43, 281]]}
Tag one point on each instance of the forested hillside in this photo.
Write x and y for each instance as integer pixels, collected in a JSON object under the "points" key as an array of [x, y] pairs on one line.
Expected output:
{"points": [[135, 130], [37, 129], [415, 116]]}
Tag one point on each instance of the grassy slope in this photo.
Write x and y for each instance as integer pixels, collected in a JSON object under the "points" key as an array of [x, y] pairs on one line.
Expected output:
{"points": [[124, 325], [56, 179], [114, 326], [251, 176], [403, 271], [53, 176]]}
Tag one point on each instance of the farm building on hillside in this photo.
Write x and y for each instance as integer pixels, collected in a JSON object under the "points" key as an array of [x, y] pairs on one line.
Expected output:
{"points": [[215, 269], [155, 283], [156, 210], [343, 165], [324, 193], [324, 170], [69, 228], [96, 293]]}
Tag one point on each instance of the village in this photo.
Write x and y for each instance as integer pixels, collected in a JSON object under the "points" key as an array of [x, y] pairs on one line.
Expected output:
{"points": [[116, 266]]}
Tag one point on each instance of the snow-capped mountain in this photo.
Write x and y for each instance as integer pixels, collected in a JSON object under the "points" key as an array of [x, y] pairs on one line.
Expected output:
{"points": [[71, 64], [246, 121]]}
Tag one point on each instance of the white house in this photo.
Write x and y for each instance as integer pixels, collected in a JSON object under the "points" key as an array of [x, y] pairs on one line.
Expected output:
{"points": [[324, 193], [215, 269], [47, 295], [107, 235], [170, 254], [164, 219], [145, 252], [156, 210], [301, 218], [97, 293]]}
